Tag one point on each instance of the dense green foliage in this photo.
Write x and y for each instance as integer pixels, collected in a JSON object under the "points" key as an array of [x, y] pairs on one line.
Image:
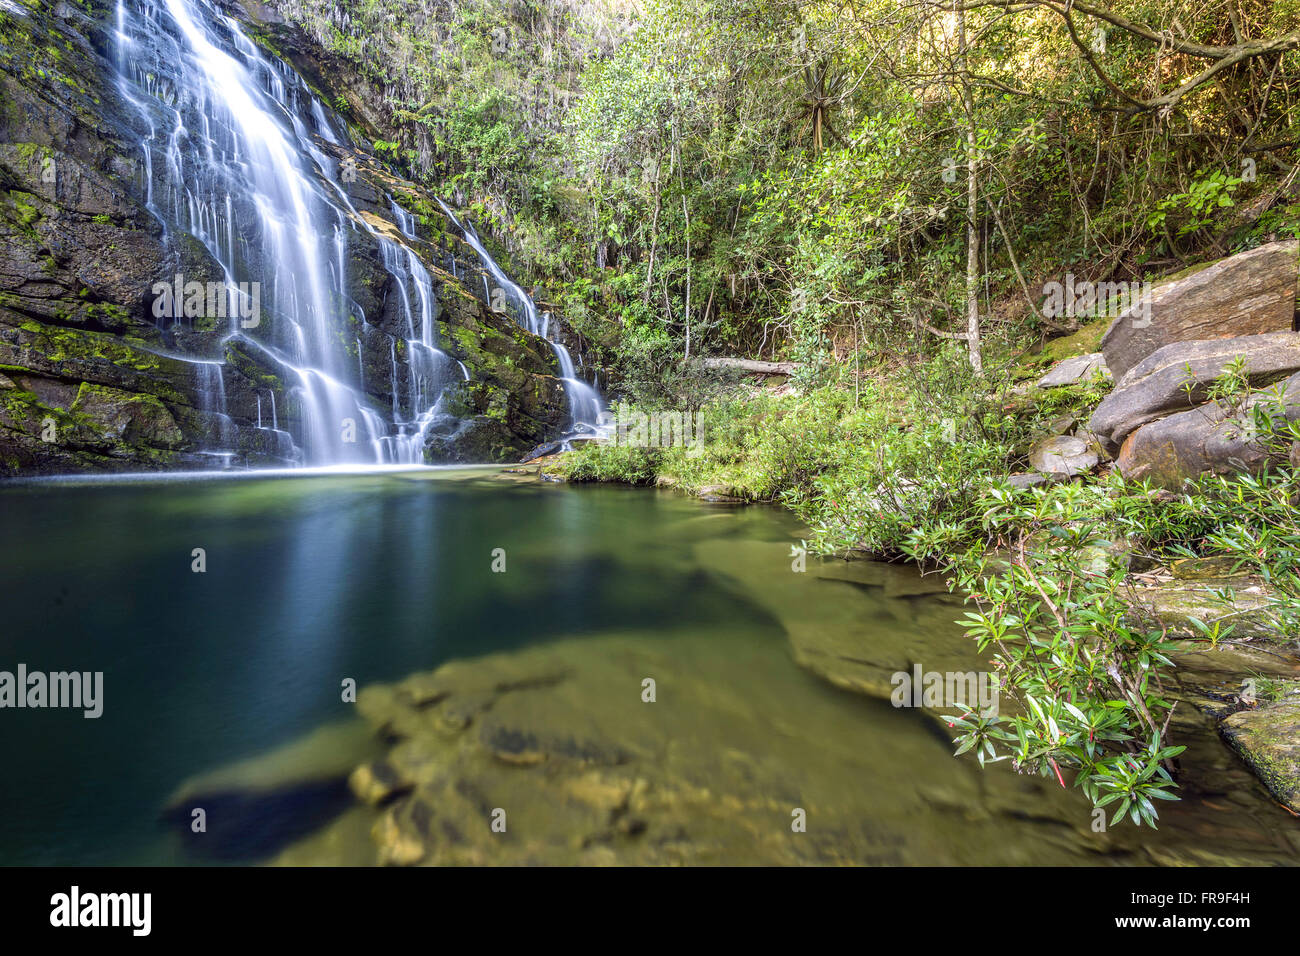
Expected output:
{"points": [[789, 179]]}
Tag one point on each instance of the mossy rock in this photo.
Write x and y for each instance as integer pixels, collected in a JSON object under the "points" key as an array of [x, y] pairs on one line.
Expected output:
{"points": [[1084, 341], [126, 417], [1268, 739], [1176, 605]]}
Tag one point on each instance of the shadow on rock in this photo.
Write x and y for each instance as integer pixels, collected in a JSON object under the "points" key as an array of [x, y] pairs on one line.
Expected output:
{"points": [[243, 825]]}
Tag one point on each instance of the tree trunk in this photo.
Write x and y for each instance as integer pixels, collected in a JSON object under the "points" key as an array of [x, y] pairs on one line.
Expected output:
{"points": [[687, 214], [654, 238], [972, 206]]}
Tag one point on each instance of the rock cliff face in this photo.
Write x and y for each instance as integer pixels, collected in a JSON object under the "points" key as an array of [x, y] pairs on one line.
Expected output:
{"points": [[91, 379]]}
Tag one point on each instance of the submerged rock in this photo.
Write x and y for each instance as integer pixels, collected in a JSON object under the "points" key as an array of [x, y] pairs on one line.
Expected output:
{"points": [[254, 808], [850, 622], [560, 758], [564, 761], [247, 825], [377, 783], [558, 754]]}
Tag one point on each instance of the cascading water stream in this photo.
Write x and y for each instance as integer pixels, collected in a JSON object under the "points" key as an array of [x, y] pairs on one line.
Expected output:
{"points": [[429, 368], [586, 409]]}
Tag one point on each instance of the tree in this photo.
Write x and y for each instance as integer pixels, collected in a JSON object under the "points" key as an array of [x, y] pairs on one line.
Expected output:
{"points": [[820, 97], [972, 203]]}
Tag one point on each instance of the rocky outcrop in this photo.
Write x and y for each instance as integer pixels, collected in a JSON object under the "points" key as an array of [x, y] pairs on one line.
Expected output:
{"points": [[505, 408], [1200, 592], [1231, 656], [1238, 687], [1251, 293], [84, 384], [1177, 377]]}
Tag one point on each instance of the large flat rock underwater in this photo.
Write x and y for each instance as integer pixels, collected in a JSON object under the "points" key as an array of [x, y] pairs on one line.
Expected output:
{"points": [[771, 747]]}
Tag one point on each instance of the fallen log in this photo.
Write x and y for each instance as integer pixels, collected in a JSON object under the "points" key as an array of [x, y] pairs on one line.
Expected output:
{"points": [[752, 365]]}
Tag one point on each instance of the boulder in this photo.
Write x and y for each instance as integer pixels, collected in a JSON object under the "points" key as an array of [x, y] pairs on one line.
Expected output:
{"points": [[1211, 439], [1076, 371], [1246, 294], [1176, 377], [1062, 455]]}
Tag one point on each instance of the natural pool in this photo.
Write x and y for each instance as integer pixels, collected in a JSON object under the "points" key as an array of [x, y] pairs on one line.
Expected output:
{"points": [[524, 688]]}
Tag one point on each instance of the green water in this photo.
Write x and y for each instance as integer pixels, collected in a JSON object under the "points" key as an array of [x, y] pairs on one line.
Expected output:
{"points": [[227, 683]]}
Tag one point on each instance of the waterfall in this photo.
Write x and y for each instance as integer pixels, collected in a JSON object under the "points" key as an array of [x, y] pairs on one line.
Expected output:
{"points": [[230, 157], [586, 409], [212, 401]]}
